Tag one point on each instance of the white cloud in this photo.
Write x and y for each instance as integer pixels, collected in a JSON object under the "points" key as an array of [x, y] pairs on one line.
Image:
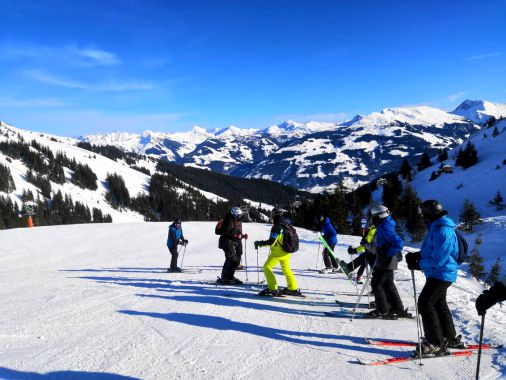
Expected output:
{"points": [[455, 97], [42, 102], [110, 86], [475, 57], [72, 55]]}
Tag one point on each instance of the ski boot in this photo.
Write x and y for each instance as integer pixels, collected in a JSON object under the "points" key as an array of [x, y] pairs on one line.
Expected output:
{"points": [[174, 270], [344, 267], [375, 314], [337, 270], [288, 292], [429, 349], [455, 342], [402, 314], [236, 281], [270, 293], [325, 271]]}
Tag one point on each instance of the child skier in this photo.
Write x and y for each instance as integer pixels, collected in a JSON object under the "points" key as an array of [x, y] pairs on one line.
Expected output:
{"points": [[438, 261], [278, 256], [388, 246], [367, 254], [230, 242], [330, 235], [174, 238]]}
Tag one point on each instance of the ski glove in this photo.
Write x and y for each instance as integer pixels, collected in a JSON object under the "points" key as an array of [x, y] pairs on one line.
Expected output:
{"points": [[413, 260], [245, 236], [497, 293], [352, 251], [185, 241], [257, 244]]}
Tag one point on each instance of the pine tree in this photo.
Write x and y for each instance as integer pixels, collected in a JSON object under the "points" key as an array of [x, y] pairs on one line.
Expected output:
{"points": [[433, 176], [409, 211], [469, 216], [495, 132], [406, 170], [495, 272], [443, 155], [498, 201], [476, 264], [424, 162], [467, 157]]}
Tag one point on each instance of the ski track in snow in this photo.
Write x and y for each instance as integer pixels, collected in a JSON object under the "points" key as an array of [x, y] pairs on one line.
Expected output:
{"points": [[94, 299]]}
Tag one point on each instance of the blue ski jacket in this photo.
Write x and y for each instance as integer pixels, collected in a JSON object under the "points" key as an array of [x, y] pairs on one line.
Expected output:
{"points": [[175, 236], [388, 242], [440, 251], [329, 233]]}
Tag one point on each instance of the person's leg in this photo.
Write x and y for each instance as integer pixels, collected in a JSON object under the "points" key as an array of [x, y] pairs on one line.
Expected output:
{"points": [[173, 260], [291, 283], [444, 313], [431, 293], [392, 294], [326, 258], [230, 262], [333, 261], [380, 298], [270, 263], [357, 262], [238, 253]]}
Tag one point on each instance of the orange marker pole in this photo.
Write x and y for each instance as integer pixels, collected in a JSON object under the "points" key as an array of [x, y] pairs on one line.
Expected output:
{"points": [[30, 222]]}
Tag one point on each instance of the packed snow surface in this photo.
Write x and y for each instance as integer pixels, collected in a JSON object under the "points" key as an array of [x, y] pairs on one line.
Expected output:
{"points": [[94, 302]]}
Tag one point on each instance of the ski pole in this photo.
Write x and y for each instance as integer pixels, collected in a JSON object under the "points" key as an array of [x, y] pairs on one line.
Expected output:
{"points": [[246, 259], [367, 273], [182, 259], [418, 327], [258, 270], [479, 347], [360, 296], [317, 255]]}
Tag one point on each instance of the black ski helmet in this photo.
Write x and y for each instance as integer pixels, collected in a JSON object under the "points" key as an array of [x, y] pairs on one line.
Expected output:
{"points": [[177, 220], [431, 210]]}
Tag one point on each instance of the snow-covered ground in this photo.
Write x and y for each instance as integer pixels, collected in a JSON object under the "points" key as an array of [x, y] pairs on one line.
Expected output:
{"points": [[93, 302]]}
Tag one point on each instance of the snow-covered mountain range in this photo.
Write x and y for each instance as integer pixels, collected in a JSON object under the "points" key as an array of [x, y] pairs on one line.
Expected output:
{"points": [[315, 156]]}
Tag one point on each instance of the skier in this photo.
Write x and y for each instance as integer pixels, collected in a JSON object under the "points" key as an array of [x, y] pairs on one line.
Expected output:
{"points": [[438, 261], [388, 246], [497, 293], [330, 235], [175, 238], [367, 254], [278, 256], [230, 242]]}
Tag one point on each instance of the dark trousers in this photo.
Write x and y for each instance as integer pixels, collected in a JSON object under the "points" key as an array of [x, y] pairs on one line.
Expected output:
{"points": [[328, 259], [233, 253], [173, 260], [385, 293], [361, 262], [436, 316]]}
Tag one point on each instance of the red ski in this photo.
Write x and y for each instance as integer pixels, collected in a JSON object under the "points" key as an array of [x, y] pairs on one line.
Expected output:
{"points": [[403, 359], [405, 343]]}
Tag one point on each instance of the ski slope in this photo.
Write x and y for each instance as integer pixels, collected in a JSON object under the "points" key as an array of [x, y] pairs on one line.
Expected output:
{"points": [[93, 302]]}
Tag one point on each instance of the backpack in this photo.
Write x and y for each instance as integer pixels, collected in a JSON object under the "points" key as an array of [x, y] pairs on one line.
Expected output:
{"points": [[463, 247], [290, 239], [218, 230]]}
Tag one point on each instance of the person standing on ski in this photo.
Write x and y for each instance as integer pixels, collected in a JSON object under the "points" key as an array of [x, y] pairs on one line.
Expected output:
{"points": [[367, 254], [330, 235], [438, 261], [278, 256], [388, 246], [175, 238], [230, 242]]}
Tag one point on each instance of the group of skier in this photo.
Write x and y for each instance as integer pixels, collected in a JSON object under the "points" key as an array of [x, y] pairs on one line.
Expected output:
{"points": [[381, 249]]}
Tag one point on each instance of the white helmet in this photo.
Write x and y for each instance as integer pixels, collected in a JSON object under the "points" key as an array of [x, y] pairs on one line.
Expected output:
{"points": [[236, 212], [380, 211]]}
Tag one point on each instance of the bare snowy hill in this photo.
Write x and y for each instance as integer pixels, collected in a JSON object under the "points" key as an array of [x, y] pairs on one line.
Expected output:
{"points": [[94, 303]]}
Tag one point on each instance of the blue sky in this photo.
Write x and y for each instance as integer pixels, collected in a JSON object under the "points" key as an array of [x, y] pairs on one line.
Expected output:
{"points": [[80, 67]]}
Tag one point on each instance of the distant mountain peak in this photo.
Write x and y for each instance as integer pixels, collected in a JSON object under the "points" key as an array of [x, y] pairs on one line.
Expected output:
{"points": [[480, 111]]}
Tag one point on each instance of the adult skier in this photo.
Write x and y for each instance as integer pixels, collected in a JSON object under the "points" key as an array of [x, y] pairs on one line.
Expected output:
{"points": [[330, 235], [438, 261], [230, 242], [388, 246], [278, 256], [496, 293], [175, 238], [367, 254]]}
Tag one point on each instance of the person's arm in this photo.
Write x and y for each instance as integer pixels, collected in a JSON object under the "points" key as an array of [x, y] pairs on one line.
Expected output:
{"points": [[275, 232]]}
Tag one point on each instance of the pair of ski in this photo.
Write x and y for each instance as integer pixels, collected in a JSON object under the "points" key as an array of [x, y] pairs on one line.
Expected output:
{"points": [[190, 271], [465, 351], [340, 314]]}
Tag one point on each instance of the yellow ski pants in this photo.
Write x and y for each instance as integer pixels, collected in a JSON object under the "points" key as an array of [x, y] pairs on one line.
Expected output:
{"points": [[284, 261]]}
